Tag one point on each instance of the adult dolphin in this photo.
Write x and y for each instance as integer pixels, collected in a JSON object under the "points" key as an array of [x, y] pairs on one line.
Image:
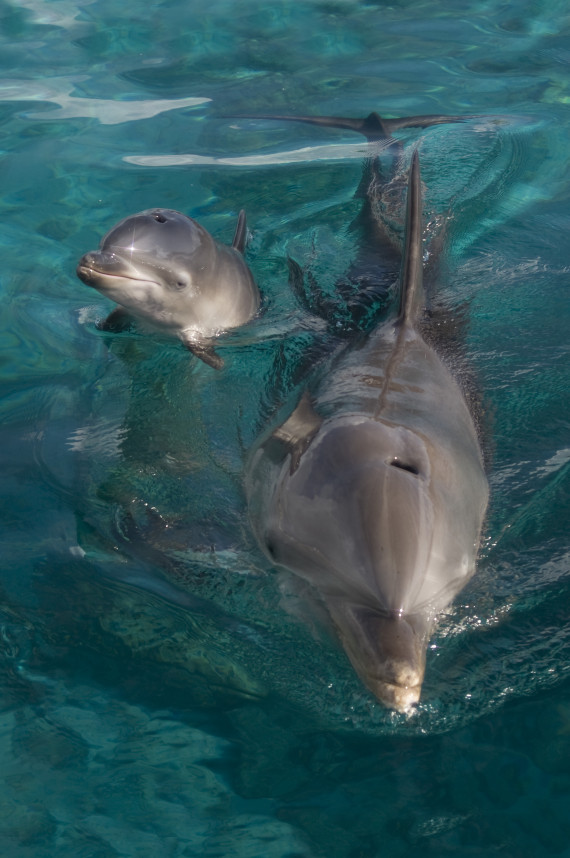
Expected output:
{"points": [[165, 269], [374, 490]]}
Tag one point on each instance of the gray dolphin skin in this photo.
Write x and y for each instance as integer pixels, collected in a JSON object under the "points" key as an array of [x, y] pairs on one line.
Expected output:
{"points": [[165, 269], [373, 489]]}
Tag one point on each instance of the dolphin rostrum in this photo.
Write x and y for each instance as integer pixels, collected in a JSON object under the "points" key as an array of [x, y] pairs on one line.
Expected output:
{"points": [[374, 491], [165, 269]]}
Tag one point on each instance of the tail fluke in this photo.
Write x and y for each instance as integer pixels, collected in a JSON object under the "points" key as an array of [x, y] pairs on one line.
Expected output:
{"points": [[374, 127]]}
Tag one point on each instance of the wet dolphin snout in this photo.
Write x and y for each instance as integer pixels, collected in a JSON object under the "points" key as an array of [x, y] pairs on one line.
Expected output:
{"points": [[386, 649], [103, 262]]}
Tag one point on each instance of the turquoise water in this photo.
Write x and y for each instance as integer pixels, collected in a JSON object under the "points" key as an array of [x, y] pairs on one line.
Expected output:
{"points": [[163, 691]]}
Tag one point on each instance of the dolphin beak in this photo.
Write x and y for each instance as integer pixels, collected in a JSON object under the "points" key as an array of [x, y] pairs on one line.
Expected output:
{"points": [[387, 650], [402, 698], [85, 270], [95, 266], [99, 268]]}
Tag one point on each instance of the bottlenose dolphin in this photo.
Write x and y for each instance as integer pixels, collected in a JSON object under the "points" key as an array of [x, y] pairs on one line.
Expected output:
{"points": [[165, 269], [373, 489]]}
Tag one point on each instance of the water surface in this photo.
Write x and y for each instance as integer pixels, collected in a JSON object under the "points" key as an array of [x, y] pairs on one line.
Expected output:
{"points": [[164, 691]]}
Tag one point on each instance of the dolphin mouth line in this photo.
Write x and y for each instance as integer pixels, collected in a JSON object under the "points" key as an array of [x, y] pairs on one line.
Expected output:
{"points": [[90, 269], [401, 686], [401, 698]]}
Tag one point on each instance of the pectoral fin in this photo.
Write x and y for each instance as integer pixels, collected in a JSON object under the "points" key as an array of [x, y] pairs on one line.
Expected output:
{"points": [[118, 321], [299, 430], [205, 353]]}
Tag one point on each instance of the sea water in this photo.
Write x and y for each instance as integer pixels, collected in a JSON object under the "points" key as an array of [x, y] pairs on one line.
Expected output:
{"points": [[164, 691]]}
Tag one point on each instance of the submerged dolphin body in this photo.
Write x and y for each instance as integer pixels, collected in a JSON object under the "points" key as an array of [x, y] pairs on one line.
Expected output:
{"points": [[164, 268], [374, 490], [370, 278]]}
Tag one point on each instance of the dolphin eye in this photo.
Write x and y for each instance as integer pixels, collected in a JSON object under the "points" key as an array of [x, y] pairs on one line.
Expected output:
{"points": [[159, 217], [404, 466]]}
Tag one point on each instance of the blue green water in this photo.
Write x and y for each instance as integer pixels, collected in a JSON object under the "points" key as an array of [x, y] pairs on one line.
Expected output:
{"points": [[163, 692]]}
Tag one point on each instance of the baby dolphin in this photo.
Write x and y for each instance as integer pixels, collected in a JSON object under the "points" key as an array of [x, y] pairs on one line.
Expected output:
{"points": [[163, 268], [374, 491]]}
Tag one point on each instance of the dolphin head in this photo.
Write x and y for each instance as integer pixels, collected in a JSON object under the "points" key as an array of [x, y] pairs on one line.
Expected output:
{"points": [[165, 268], [146, 256], [383, 526]]}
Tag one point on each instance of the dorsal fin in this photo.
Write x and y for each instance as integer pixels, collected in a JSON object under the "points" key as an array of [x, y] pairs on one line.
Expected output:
{"points": [[240, 235], [412, 297], [373, 127]]}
